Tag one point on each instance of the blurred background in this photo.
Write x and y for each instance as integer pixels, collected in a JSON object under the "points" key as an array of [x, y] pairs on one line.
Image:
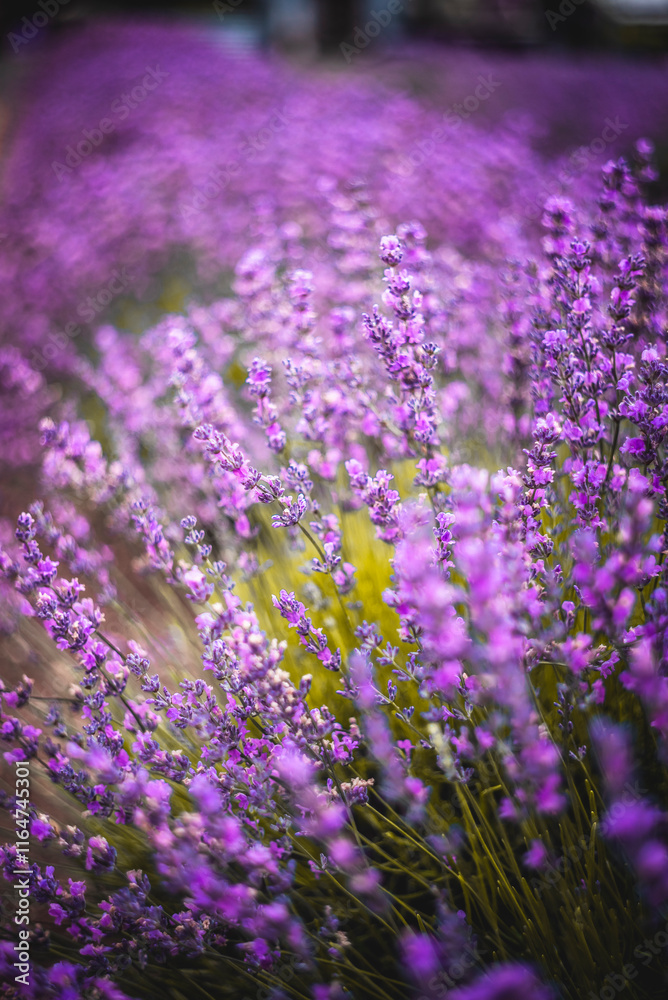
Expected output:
{"points": [[321, 25], [121, 222]]}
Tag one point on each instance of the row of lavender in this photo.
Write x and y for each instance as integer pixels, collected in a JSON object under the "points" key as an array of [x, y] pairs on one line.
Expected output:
{"points": [[412, 739], [139, 148]]}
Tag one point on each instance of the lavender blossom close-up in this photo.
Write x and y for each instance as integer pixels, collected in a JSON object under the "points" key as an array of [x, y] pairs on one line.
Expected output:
{"points": [[334, 501]]}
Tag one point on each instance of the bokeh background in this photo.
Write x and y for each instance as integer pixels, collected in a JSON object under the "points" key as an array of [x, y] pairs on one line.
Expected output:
{"points": [[361, 102], [325, 23]]}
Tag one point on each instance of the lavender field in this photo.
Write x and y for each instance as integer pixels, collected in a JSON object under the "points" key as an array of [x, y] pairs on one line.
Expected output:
{"points": [[333, 505]]}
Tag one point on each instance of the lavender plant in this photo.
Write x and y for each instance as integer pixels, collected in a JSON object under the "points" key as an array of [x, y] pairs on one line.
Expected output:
{"points": [[323, 709]]}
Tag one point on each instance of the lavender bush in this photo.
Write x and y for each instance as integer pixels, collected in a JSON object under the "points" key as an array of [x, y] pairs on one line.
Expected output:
{"points": [[314, 701]]}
